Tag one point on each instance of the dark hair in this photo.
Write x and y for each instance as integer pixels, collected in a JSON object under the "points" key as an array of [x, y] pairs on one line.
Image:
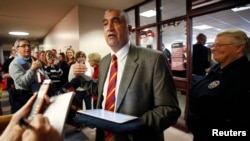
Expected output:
{"points": [[78, 53], [201, 38], [42, 51], [63, 56]]}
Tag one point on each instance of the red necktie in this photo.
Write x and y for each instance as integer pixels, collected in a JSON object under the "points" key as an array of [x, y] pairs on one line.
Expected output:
{"points": [[110, 98]]}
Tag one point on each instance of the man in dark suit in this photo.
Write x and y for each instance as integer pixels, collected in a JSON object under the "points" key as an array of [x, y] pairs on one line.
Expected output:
{"points": [[200, 58], [144, 86]]}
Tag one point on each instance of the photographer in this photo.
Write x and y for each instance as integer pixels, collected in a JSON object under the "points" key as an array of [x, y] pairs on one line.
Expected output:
{"points": [[53, 70], [41, 129]]}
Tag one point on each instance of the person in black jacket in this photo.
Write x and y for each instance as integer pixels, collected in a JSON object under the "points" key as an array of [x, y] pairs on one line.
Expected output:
{"points": [[65, 68], [200, 60], [219, 103], [200, 56]]}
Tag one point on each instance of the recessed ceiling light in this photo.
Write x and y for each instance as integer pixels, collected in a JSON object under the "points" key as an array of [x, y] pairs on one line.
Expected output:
{"points": [[18, 33], [241, 8], [149, 13], [201, 27]]}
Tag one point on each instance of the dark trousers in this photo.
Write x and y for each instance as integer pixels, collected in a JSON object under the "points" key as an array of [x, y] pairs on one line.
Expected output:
{"points": [[82, 95], [77, 102], [10, 91], [18, 98]]}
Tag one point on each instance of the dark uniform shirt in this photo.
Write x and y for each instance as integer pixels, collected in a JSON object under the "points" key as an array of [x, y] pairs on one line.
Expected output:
{"points": [[221, 101]]}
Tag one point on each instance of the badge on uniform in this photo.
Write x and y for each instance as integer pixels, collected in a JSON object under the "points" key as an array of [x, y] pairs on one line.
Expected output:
{"points": [[214, 84]]}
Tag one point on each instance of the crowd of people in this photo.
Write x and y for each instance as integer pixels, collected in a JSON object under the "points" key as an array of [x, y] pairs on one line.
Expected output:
{"points": [[119, 82], [25, 73]]}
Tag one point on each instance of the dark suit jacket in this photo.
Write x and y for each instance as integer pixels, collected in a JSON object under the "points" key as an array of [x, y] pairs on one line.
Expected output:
{"points": [[200, 59], [146, 90]]}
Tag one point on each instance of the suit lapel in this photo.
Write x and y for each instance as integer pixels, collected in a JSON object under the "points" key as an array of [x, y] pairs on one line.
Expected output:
{"points": [[103, 74], [128, 74]]}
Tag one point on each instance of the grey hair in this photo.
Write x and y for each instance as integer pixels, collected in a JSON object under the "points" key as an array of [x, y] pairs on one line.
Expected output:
{"points": [[122, 14], [239, 37], [19, 40]]}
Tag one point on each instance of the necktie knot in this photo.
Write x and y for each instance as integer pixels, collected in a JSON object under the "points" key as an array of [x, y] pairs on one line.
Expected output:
{"points": [[114, 63], [114, 58]]}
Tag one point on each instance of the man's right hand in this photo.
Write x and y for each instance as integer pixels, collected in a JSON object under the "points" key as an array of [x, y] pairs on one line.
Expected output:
{"points": [[36, 64], [79, 69]]}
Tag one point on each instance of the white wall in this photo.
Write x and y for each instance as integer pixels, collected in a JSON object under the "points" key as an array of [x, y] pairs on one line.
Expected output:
{"points": [[91, 31], [64, 34], [81, 28]]}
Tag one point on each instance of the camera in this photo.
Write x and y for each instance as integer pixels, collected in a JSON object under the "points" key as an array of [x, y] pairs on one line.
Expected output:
{"points": [[50, 55]]}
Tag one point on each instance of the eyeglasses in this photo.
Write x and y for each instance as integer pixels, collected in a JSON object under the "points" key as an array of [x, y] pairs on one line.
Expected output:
{"points": [[25, 45], [220, 45]]}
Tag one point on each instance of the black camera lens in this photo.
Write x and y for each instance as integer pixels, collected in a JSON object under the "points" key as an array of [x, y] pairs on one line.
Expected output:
{"points": [[50, 56]]}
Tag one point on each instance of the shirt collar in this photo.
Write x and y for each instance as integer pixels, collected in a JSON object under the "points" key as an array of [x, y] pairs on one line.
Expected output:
{"points": [[122, 53]]}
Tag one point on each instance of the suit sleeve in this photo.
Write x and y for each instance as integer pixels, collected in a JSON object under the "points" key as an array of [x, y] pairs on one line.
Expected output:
{"points": [[166, 109]]}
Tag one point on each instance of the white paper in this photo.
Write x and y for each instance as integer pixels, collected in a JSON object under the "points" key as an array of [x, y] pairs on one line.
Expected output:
{"points": [[108, 115], [58, 110]]}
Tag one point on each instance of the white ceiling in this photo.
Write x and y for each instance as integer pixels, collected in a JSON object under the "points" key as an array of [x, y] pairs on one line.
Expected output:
{"points": [[39, 17], [222, 20], [219, 21]]}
